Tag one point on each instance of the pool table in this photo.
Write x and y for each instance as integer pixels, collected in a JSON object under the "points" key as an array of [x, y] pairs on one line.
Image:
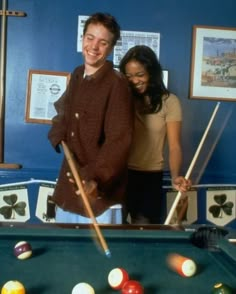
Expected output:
{"points": [[64, 255]]}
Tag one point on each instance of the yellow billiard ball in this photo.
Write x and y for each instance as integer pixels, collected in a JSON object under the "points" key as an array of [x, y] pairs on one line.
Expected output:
{"points": [[13, 287]]}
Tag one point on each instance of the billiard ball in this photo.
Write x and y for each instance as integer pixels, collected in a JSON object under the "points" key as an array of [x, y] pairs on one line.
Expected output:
{"points": [[221, 288], [13, 287], [117, 278], [84, 288], [184, 266], [132, 287], [22, 250]]}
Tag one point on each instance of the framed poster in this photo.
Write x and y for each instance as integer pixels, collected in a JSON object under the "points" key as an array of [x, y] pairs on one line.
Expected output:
{"points": [[46, 207], [213, 65], [220, 205], [43, 89], [14, 204], [165, 77]]}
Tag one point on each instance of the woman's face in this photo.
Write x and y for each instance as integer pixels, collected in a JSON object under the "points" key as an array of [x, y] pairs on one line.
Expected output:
{"points": [[137, 76]]}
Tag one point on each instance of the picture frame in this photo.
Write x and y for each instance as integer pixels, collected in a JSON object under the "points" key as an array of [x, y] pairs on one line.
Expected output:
{"points": [[165, 74], [43, 89], [213, 64]]}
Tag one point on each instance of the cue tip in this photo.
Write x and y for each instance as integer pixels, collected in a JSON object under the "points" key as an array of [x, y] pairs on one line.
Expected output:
{"points": [[108, 253]]}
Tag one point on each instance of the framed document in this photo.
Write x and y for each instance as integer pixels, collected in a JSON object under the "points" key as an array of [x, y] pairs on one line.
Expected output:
{"points": [[43, 89], [213, 70], [165, 77]]}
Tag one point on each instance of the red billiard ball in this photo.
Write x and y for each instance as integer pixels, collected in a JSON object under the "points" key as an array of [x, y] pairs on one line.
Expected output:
{"points": [[23, 250], [132, 287], [117, 278]]}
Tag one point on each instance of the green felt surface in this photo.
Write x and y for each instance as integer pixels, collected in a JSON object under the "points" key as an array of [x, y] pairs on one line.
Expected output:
{"points": [[64, 257]]}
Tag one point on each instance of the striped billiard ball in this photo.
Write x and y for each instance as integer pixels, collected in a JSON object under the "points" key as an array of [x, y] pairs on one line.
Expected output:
{"points": [[184, 266], [13, 287], [117, 278], [23, 250]]}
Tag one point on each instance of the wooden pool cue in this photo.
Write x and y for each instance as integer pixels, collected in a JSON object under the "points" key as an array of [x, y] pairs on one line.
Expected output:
{"points": [[178, 196], [2, 76], [78, 181], [222, 127], [4, 13], [183, 210]]}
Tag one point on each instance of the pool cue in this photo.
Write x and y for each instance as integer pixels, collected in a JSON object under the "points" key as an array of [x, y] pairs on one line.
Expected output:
{"points": [[223, 125], [78, 181], [178, 196], [183, 210], [2, 76], [4, 13]]}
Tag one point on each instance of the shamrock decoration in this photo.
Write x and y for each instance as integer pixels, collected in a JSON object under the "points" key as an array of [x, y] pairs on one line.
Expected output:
{"points": [[221, 207], [12, 207]]}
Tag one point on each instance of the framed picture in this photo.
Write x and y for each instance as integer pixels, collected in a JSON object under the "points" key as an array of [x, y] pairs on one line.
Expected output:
{"points": [[43, 89], [165, 77], [213, 67]]}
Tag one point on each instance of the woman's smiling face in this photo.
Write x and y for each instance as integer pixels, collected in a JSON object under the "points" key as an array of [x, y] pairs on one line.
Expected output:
{"points": [[137, 76]]}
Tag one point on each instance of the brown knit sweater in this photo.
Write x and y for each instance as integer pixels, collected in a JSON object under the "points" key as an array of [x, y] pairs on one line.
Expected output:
{"points": [[95, 119]]}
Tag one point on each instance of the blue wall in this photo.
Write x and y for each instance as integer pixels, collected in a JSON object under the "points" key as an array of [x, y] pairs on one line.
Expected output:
{"points": [[47, 39]]}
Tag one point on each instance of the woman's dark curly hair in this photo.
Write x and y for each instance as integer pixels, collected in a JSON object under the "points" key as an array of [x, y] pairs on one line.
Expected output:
{"points": [[156, 87]]}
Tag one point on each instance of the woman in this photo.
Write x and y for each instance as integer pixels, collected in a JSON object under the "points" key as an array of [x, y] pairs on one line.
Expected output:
{"points": [[158, 116]]}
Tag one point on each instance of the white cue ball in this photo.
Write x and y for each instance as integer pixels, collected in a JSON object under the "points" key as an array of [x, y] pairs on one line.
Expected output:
{"points": [[83, 288]]}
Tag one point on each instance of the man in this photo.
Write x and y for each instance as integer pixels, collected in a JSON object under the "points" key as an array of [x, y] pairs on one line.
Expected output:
{"points": [[95, 119]]}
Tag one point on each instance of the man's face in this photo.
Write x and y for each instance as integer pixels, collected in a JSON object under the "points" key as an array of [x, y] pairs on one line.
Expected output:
{"points": [[96, 46]]}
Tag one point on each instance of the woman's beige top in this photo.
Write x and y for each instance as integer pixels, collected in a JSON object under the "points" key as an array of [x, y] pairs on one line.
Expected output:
{"points": [[149, 138]]}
